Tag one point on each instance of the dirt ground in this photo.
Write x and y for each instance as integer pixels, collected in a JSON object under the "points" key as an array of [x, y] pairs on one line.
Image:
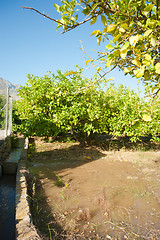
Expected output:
{"points": [[93, 193]]}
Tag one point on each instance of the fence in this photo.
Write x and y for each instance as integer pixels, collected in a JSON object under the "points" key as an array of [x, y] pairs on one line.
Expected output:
{"points": [[5, 113]]}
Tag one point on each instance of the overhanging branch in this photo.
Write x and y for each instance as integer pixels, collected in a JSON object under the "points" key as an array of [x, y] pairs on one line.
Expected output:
{"points": [[68, 27], [44, 15]]}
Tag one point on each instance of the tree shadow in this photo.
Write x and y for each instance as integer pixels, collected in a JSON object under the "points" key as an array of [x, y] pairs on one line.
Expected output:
{"points": [[43, 219], [109, 143], [64, 157], [52, 163]]}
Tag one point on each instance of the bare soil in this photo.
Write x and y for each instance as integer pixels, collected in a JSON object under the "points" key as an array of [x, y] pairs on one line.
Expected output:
{"points": [[89, 192]]}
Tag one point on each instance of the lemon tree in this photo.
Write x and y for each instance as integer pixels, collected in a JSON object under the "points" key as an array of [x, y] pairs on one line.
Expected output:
{"points": [[67, 104], [130, 28]]}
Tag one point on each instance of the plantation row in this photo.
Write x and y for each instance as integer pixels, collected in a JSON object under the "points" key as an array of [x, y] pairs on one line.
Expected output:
{"points": [[70, 104]]}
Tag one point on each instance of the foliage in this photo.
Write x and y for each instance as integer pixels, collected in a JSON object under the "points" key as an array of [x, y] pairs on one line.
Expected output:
{"points": [[131, 29], [16, 122], [131, 115], [1, 102], [60, 103], [70, 104]]}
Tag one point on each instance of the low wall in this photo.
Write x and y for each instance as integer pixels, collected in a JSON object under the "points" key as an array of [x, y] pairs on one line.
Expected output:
{"points": [[25, 230]]}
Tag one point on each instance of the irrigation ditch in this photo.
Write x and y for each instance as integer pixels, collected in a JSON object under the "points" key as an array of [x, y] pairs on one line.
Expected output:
{"points": [[15, 218]]}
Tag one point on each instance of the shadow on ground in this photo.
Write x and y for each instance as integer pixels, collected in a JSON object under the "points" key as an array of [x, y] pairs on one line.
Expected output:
{"points": [[50, 163]]}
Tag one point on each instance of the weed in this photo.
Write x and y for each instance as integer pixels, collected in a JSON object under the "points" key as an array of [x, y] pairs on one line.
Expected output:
{"points": [[59, 182], [50, 232], [64, 197], [141, 192], [35, 206], [34, 201]]}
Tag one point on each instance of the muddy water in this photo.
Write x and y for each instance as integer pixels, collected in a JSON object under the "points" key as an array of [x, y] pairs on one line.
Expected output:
{"points": [[7, 207], [115, 194]]}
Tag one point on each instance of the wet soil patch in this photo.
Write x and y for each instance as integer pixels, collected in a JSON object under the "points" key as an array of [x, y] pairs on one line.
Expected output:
{"points": [[91, 193]]}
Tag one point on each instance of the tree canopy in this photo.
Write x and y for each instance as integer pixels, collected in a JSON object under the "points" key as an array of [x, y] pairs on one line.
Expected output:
{"points": [[52, 106], [131, 29]]}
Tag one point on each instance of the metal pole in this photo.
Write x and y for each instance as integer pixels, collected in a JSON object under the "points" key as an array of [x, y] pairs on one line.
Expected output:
{"points": [[10, 115], [6, 122]]}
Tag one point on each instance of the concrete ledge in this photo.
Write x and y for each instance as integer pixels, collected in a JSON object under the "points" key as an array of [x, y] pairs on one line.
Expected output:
{"points": [[25, 230], [11, 163]]}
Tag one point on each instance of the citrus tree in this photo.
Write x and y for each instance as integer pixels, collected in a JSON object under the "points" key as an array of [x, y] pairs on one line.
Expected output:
{"points": [[131, 29], [71, 105], [61, 104], [131, 115]]}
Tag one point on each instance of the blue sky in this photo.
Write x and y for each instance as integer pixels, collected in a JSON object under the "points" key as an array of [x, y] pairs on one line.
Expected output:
{"points": [[29, 43]]}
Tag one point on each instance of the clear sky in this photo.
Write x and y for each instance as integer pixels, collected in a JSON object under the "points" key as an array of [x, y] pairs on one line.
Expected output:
{"points": [[29, 43]]}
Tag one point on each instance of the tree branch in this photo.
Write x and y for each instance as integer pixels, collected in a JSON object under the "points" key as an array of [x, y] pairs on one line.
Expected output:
{"points": [[157, 9], [80, 23], [102, 76], [52, 19], [153, 94], [67, 26]]}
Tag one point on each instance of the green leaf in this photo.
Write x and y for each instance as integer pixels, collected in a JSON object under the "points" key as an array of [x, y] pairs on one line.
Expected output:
{"points": [[139, 72], [116, 52], [153, 41], [134, 39], [104, 20], [146, 62], [147, 57], [151, 23], [90, 60], [148, 32], [122, 30], [86, 11], [93, 20], [146, 118], [110, 56], [125, 46], [146, 75], [157, 67], [94, 32], [99, 40], [70, 73], [123, 54], [108, 64], [115, 39], [111, 28], [76, 17], [109, 46], [147, 9], [136, 62], [125, 26], [127, 70], [57, 7]]}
